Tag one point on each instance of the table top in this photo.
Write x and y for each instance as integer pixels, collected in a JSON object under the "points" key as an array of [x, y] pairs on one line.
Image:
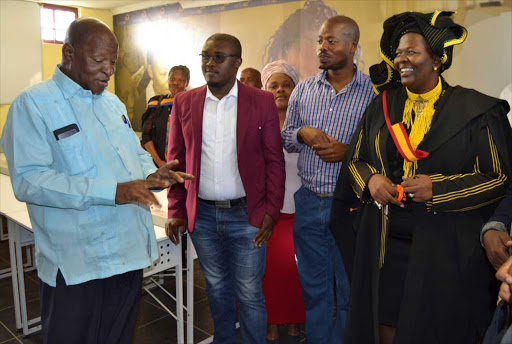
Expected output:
{"points": [[21, 217], [160, 215], [3, 164], [8, 202]]}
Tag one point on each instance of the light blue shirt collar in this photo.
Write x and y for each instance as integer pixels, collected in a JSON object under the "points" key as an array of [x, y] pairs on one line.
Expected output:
{"points": [[68, 87]]}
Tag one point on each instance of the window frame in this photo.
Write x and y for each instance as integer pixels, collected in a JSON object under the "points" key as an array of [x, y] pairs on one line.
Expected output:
{"points": [[54, 8]]}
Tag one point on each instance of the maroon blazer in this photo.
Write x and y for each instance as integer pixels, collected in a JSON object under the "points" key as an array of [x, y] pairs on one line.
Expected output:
{"points": [[260, 154]]}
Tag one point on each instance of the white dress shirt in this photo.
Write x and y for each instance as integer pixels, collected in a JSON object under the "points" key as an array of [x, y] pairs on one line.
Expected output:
{"points": [[220, 179]]}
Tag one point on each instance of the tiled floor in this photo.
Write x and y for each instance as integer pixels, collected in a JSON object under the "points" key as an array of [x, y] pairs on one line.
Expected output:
{"points": [[154, 324]]}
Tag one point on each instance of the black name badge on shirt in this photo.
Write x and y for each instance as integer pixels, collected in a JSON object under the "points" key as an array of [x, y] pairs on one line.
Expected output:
{"points": [[66, 131]]}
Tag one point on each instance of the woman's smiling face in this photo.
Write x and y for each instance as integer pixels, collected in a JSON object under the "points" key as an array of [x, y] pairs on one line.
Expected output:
{"points": [[281, 86], [415, 62]]}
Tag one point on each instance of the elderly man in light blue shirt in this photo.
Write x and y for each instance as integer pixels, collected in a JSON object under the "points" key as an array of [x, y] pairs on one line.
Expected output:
{"points": [[76, 162]]}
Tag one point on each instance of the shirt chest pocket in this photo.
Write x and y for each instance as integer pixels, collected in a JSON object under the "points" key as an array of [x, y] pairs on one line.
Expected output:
{"points": [[76, 155]]}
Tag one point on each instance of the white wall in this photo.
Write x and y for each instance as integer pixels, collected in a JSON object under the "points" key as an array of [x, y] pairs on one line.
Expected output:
{"points": [[484, 60], [20, 49]]}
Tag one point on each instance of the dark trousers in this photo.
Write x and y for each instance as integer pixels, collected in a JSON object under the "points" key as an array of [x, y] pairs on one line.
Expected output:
{"points": [[94, 312]]}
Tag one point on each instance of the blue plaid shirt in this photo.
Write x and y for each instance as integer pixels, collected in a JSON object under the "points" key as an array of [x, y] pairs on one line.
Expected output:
{"points": [[314, 103]]}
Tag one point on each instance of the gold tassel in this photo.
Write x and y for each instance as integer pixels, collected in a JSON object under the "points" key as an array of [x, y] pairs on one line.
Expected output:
{"points": [[423, 106]]}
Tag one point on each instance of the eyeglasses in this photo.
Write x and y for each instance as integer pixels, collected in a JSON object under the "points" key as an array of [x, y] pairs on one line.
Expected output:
{"points": [[217, 58]]}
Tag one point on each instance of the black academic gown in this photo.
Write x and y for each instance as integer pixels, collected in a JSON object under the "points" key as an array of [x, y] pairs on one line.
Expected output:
{"points": [[450, 290], [154, 124]]}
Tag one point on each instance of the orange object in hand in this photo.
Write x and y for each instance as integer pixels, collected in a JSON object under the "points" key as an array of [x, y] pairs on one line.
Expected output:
{"points": [[400, 190]]}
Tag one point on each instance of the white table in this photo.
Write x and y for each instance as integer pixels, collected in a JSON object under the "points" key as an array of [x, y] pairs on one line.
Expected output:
{"points": [[159, 219], [170, 257], [20, 234], [8, 204], [3, 164], [18, 225]]}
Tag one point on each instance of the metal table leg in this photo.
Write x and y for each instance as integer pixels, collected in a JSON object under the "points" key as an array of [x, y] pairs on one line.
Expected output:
{"points": [[190, 291], [11, 226]]}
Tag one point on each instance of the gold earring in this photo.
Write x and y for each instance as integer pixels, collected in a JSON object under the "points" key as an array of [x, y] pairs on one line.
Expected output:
{"points": [[435, 68]]}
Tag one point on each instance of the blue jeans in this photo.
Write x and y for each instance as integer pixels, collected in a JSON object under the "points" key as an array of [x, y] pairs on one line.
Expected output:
{"points": [[233, 267], [320, 264]]}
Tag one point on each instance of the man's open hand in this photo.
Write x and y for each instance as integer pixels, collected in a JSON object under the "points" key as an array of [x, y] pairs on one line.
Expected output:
{"points": [[137, 191], [167, 174]]}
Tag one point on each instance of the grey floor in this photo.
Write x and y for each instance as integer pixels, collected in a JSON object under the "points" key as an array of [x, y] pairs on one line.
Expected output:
{"points": [[154, 324]]}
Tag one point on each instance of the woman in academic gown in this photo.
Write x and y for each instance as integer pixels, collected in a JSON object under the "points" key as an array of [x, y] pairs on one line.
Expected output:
{"points": [[418, 271]]}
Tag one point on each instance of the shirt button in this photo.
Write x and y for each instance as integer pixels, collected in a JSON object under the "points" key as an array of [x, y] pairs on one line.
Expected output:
{"points": [[330, 109]]}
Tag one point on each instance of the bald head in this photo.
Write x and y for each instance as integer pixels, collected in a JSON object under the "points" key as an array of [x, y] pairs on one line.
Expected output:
{"points": [[89, 54], [232, 40], [83, 29], [251, 77], [350, 27]]}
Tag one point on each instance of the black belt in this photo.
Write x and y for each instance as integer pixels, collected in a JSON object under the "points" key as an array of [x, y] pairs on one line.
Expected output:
{"points": [[224, 204]]}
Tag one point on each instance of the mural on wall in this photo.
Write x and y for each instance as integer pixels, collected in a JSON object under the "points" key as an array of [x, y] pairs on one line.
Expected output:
{"points": [[153, 40], [295, 39]]}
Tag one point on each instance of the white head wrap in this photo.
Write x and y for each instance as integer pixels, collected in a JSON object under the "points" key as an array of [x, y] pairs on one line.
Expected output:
{"points": [[280, 66]]}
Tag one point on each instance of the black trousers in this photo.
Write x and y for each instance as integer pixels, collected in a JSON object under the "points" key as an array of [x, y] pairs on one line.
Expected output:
{"points": [[95, 312]]}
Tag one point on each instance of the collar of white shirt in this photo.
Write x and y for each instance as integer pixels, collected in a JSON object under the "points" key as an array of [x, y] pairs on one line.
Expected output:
{"points": [[232, 92]]}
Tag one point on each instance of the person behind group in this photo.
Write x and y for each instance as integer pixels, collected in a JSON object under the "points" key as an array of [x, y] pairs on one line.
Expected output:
{"points": [[496, 232], [251, 77], [322, 114], [155, 121], [418, 272], [228, 134], [281, 287], [76, 162]]}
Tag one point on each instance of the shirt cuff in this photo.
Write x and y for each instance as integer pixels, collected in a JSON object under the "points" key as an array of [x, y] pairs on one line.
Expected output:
{"points": [[500, 226], [295, 140], [149, 171], [104, 192]]}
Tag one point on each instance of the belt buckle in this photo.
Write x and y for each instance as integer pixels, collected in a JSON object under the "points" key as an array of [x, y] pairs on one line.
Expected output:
{"points": [[223, 204]]}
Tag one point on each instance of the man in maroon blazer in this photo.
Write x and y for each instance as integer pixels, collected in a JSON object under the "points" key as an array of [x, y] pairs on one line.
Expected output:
{"points": [[227, 135]]}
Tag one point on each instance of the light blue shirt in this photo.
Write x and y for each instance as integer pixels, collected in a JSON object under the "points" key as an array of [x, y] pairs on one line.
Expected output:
{"points": [[69, 184], [314, 103]]}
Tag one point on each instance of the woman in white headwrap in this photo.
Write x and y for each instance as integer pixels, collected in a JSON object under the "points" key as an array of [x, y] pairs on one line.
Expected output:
{"points": [[281, 287]]}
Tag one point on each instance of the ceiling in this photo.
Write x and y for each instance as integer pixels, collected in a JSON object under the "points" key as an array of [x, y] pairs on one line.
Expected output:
{"points": [[123, 6]]}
